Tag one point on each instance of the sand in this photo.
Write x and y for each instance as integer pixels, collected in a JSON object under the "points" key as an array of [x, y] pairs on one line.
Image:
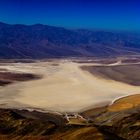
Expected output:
{"points": [[65, 87]]}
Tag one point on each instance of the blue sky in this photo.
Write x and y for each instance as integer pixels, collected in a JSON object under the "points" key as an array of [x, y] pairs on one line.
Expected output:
{"points": [[91, 14]]}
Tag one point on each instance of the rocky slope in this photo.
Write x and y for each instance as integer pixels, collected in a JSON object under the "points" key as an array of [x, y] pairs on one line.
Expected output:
{"points": [[15, 124], [119, 121], [121, 118]]}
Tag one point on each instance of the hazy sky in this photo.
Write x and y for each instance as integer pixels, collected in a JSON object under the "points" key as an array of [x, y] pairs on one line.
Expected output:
{"points": [[96, 14]]}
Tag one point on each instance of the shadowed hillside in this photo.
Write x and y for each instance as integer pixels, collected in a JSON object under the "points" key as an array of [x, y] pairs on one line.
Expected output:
{"points": [[42, 41]]}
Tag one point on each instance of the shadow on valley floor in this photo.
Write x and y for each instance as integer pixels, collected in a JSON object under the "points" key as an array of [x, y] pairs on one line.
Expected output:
{"points": [[127, 73], [11, 77]]}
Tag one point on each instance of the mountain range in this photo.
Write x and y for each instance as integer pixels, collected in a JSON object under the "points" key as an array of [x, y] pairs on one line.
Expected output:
{"points": [[42, 41]]}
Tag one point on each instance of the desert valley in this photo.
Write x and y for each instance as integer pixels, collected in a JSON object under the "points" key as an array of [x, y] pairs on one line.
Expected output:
{"points": [[86, 95], [60, 82]]}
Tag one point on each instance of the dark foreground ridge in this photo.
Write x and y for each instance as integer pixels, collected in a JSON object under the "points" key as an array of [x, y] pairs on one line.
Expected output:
{"points": [[105, 123], [42, 41]]}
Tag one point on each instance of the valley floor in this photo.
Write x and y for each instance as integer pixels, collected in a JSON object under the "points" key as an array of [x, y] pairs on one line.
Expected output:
{"points": [[64, 87]]}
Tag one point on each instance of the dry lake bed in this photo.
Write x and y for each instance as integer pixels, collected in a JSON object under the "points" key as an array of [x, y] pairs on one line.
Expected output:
{"points": [[67, 85]]}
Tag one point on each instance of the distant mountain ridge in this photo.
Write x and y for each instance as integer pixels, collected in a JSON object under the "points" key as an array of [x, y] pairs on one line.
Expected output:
{"points": [[43, 41]]}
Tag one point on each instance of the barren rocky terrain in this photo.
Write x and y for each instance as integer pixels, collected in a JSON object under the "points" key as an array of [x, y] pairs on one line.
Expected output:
{"points": [[112, 122]]}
